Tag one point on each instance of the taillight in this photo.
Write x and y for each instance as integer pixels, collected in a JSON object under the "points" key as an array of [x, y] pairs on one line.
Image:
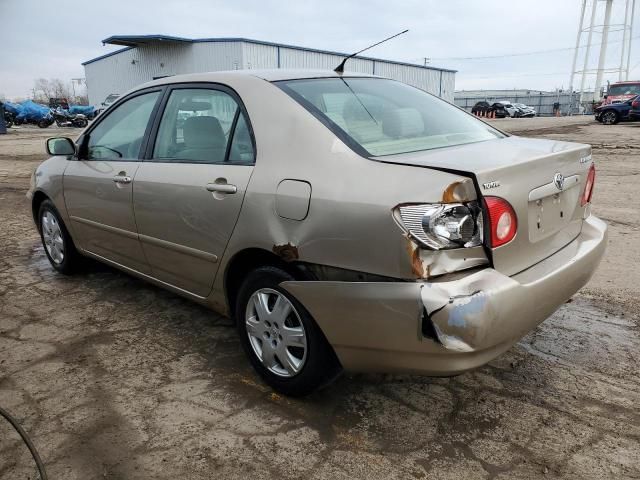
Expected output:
{"points": [[443, 226], [635, 104], [503, 223], [588, 186]]}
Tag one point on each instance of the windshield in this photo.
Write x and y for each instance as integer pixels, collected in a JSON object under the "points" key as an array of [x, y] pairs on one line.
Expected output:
{"points": [[386, 117], [629, 89]]}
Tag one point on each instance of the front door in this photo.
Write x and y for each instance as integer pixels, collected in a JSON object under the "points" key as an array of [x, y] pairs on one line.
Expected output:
{"points": [[98, 189], [187, 196]]}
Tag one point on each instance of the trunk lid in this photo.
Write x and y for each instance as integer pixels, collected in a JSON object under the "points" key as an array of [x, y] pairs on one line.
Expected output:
{"points": [[525, 172]]}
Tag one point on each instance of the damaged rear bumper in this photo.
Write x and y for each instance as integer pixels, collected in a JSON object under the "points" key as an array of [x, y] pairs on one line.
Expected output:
{"points": [[378, 326]]}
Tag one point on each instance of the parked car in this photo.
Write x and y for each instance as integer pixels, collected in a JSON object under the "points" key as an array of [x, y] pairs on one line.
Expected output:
{"points": [[634, 113], [610, 114], [504, 109], [343, 221], [110, 100], [525, 111], [481, 108]]}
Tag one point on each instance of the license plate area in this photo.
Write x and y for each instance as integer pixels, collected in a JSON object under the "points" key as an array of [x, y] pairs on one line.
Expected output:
{"points": [[551, 214]]}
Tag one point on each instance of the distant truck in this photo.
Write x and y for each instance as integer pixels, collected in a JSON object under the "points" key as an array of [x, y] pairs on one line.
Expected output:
{"points": [[621, 92]]}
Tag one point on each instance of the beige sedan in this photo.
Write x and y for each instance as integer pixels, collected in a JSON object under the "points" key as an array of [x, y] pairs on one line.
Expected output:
{"points": [[344, 221]]}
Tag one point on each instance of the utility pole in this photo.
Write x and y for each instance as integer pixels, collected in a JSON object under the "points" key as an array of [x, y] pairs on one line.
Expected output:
{"points": [[575, 53], [588, 51], [603, 49], [633, 11], [73, 86], [625, 31]]}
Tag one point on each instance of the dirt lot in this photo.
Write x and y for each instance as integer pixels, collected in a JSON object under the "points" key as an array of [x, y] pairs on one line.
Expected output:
{"points": [[116, 379]]}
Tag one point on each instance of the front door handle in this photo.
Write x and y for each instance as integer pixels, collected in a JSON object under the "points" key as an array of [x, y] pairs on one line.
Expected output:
{"points": [[122, 178], [222, 188]]}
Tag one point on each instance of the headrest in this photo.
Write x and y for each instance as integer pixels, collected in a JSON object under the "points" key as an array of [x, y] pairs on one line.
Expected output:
{"points": [[203, 132], [402, 123]]}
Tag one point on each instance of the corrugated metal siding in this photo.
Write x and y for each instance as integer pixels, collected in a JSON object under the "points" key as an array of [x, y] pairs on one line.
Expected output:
{"points": [[255, 55], [212, 57], [117, 73], [121, 72], [436, 82], [293, 58]]}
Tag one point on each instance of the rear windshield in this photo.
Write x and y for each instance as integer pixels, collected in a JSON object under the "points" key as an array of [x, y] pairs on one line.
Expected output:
{"points": [[386, 117]]}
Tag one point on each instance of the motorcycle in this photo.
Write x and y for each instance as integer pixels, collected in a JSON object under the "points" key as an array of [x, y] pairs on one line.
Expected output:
{"points": [[45, 121], [9, 119], [65, 119]]}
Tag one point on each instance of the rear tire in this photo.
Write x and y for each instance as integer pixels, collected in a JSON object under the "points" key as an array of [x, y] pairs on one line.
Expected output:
{"points": [[281, 339], [57, 243]]}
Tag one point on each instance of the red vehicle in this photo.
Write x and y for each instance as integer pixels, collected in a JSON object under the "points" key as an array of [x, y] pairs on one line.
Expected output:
{"points": [[621, 92]]}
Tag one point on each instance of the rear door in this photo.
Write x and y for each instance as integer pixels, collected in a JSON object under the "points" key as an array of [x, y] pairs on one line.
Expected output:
{"points": [[188, 192], [98, 189]]}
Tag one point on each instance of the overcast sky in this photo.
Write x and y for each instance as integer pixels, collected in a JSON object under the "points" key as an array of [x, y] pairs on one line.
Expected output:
{"points": [[51, 38]]}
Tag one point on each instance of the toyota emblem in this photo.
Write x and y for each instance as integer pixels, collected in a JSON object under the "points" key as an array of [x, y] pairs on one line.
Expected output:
{"points": [[558, 180]]}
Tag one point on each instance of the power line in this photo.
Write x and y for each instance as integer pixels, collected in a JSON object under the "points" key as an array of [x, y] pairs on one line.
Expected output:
{"points": [[522, 54]]}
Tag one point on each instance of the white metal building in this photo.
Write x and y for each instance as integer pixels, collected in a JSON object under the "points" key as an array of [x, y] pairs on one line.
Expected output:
{"points": [[145, 57]]}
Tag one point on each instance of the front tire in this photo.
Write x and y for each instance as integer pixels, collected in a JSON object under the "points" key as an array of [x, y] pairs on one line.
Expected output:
{"points": [[281, 339], [57, 243], [610, 117]]}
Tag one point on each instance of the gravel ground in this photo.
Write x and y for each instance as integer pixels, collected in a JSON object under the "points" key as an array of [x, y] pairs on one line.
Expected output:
{"points": [[117, 379]]}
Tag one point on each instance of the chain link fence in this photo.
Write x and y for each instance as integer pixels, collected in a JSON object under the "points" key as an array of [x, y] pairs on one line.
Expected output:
{"points": [[542, 102]]}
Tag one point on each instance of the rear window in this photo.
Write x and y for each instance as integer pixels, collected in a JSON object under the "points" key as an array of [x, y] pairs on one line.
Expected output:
{"points": [[385, 117]]}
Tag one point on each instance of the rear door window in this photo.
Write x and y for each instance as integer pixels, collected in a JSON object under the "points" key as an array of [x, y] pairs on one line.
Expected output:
{"points": [[203, 126]]}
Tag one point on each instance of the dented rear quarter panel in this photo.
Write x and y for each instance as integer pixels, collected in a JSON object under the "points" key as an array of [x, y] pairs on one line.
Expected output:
{"points": [[350, 224]]}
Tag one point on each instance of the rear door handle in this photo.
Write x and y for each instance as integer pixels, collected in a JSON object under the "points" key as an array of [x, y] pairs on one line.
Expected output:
{"points": [[122, 178], [222, 188]]}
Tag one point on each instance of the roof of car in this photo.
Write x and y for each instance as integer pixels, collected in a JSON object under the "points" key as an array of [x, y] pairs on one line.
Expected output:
{"points": [[268, 75]]}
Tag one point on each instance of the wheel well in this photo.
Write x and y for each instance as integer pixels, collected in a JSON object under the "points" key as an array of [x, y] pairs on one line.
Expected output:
{"points": [[38, 198], [247, 260]]}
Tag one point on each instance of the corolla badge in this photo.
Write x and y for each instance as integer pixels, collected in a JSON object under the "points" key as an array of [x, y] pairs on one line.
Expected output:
{"points": [[558, 180]]}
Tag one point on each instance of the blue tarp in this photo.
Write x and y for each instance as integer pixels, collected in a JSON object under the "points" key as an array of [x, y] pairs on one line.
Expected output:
{"points": [[83, 109], [13, 108], [32, 111]]}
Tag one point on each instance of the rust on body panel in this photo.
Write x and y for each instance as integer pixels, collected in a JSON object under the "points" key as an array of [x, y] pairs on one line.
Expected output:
{"points": [[287, 252]]}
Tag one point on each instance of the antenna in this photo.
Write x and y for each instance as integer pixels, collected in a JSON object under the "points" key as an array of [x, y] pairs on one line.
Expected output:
{"points": [[340, 68]]}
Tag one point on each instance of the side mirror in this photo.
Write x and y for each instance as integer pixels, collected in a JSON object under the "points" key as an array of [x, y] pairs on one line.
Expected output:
{"points": [[60, 146], [605, 97]]}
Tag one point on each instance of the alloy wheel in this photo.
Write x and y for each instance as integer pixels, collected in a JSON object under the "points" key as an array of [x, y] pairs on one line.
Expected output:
{"points": [[608, 118], [276, 333], [52, 237]]}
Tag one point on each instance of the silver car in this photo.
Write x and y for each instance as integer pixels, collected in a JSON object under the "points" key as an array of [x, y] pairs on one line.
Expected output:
{"points": [[344, 221]]}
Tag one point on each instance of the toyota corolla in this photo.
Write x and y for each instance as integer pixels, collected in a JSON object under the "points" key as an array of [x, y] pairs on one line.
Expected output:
{"points": [[344, 221]]}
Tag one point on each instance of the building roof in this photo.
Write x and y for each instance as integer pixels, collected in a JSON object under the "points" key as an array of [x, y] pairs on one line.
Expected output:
{"points": [[132, 41]]}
